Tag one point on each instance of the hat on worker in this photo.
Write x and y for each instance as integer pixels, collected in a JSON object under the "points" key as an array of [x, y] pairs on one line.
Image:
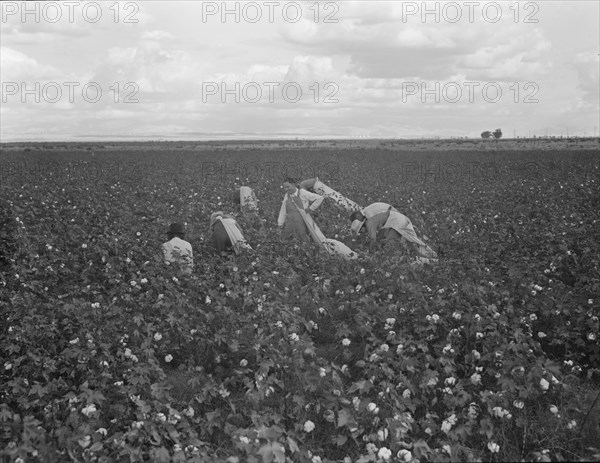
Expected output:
{"points": [[214, 216], [177, 228], [357, 225]]}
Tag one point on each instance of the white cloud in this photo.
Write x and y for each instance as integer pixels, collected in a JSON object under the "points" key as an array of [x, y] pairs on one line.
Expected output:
{"points": [[31, 32], [157, 35], [586, 66], [154, 64], [17, 66], [411, 37], [310, 69], [120, 56], [370, 54]]}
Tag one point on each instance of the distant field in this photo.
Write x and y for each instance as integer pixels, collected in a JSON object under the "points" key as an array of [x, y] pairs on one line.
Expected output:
{"points": [[577, 143], [110, 356]]}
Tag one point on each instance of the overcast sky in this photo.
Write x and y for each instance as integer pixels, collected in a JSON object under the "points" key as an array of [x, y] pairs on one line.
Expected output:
{"points": [[169, 70]]}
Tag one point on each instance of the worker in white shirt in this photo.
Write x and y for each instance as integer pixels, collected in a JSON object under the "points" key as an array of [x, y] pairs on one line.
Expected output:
{"points": [[296, 199], [177, 250]]}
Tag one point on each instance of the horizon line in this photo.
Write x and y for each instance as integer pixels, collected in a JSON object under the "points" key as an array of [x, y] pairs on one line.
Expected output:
{"points": [[133, 139]]}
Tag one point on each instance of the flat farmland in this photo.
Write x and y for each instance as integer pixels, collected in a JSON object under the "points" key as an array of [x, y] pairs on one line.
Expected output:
{"points": [[285, 353]]}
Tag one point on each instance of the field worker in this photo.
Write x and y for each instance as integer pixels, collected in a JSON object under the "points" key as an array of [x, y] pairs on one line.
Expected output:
{"points": [[226, 235], [294, 208], [376, 208], [177, 250], [245, 198], [314, 185], [296, 200], [394, 225]]}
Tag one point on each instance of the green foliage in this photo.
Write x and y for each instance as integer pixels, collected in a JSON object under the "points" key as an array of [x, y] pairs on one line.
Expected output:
{"points": [[284, 353]]}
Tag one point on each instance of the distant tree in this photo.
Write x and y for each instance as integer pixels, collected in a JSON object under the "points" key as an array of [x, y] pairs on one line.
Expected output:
{"points": [[486, 134], [497, 134]]}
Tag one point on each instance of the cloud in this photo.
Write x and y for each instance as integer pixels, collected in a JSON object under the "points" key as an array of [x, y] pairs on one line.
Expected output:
{"points": [[154, 63], [370, 54], [31, 32], [523, 57], [266, 73], [310, 69], [16, 66], [586, 67], [381, 44], [370, 13], [157, 35]]}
